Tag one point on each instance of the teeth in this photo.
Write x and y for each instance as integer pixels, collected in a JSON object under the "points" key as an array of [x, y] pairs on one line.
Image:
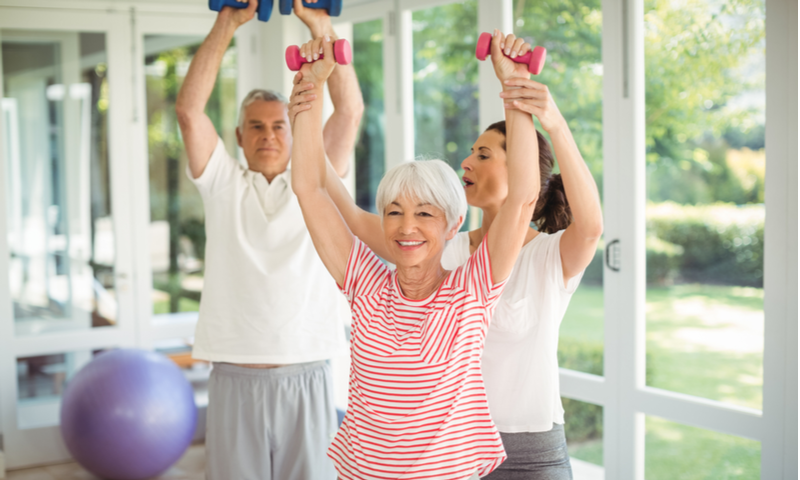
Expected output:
{"points": [[410, 244]]}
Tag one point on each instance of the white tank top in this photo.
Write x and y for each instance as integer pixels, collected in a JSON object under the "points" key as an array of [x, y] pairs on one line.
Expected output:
{"points": [[520, 363]]}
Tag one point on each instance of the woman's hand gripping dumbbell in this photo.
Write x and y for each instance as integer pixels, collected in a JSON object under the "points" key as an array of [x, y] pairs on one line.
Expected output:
{"points": [[533, 59], [295, 58]]}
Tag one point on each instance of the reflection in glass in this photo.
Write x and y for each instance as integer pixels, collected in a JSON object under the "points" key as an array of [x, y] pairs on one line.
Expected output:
{"points": [[60, 229], [446, 85], [177, 228], [571, 31], [675, 451], [40, 383], [705, 188], [370, 150]]}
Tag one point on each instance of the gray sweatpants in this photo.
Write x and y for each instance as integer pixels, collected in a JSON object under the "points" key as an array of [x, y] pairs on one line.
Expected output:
{"points": [[265, 424], [534, 456]]}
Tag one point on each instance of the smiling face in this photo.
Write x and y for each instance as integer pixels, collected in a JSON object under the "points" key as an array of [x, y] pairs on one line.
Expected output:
{"points": [[416, 232], [485, 171], [266, 138]]}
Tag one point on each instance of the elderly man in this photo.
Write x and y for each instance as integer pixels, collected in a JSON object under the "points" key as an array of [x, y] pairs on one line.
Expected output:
{"points": [[270, 315]]}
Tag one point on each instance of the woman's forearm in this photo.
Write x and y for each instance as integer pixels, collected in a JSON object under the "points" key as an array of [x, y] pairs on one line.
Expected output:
{"points": [[308, 151], [522, 158]]}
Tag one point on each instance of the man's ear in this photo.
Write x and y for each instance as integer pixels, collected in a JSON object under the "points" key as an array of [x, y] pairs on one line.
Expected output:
{"points": [[239, 136]]}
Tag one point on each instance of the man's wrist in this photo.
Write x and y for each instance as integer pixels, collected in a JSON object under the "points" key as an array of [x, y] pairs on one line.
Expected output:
{"points": [[225, 20]]}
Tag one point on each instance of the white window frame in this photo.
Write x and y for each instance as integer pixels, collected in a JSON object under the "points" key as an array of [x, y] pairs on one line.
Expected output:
{"points": [[621, 391], [39, 445]]}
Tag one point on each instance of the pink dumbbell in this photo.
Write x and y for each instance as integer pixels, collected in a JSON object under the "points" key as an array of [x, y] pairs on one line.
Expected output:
{"points": [[534, 58], [341, 53]]}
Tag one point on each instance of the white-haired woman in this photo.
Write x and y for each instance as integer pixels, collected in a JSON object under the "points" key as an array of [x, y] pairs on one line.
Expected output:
{"points": [[519, 364], [417, 406]]}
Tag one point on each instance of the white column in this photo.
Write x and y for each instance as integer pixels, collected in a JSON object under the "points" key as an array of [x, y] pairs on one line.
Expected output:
{"points": [[779, 444], [248, 59], [8, 379], [398, 77], [277, 34], [624, 202], [491, 14]]}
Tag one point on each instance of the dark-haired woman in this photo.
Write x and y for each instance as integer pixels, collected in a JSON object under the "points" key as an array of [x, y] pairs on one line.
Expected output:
{"points": [[519, 364]]}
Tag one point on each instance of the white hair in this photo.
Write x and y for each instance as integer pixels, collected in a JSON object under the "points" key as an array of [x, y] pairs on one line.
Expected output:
{"points": [[429, 181], [256, 95]]}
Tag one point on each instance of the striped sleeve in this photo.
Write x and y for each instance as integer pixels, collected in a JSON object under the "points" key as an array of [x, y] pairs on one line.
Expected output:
{"points": [[364, 272], [478, 270]]}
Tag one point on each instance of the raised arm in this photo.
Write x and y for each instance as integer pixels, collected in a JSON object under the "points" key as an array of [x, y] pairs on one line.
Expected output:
{"points": [[365, 225], [198, 132], [329, 232], [579, 241], [507, 233], [341, 128]]}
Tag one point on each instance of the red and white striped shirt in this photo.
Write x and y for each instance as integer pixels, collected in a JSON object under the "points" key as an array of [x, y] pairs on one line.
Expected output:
{"points": [[417, 407]]}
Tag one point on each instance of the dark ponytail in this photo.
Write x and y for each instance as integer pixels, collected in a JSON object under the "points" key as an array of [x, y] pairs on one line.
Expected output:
{"points": [[552, 211]]}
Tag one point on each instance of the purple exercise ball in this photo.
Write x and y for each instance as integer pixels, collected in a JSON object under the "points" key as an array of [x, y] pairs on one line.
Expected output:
{"points": [[128, 415]]}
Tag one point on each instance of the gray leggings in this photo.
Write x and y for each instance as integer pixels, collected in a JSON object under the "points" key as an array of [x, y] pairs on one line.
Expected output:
{"points": [[534, 456]]}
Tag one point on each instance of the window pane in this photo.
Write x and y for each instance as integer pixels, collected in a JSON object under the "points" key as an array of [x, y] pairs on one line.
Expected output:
{"points": [[60, 226], [675, 451], [705, 74], [571, 33], [446, 85], [584, 431], [177, 228], [40, 384], [370, 150]]}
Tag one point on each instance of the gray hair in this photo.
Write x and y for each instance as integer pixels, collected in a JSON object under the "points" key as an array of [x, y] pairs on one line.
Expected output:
{"points": [[429, 181], [262, 95]]}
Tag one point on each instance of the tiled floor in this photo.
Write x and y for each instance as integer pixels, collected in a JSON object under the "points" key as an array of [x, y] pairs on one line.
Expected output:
{"points": [[190, 467]]}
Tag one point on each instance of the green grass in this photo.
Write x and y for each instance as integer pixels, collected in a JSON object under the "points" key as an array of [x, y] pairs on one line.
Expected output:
{"points": [[680, 452], [184, 305], [702, 340]]}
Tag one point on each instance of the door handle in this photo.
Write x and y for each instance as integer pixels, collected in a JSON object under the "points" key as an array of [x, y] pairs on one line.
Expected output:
{"points": [[612, 255]]}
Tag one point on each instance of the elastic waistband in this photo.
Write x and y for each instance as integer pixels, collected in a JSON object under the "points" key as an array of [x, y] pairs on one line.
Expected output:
{"points": [[276, 372]]}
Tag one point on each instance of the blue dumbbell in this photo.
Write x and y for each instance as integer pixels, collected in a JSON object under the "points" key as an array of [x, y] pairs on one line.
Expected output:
{"points": [[264, 7], [334, 7]]}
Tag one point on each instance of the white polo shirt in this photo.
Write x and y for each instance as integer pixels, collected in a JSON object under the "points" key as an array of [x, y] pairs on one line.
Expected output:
{"points": [[267, 297]]}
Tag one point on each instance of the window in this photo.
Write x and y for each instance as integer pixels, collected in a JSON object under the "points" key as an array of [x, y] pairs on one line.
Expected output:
{"points": [[60, 226], [446, 85], [370, 149], [571, 32], [177, 228]]}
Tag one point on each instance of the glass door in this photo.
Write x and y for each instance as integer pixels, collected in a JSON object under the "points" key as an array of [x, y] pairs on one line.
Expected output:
{"points": [[68, 296], [705, 212]]}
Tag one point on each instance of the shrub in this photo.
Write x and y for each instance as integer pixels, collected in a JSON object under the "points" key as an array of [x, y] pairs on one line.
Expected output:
{"points": [[583, 421], [663, 260], [722, 243]]}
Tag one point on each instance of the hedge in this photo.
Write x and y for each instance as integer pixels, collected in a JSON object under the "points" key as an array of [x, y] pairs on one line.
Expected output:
{"points": [[720, 244]]}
